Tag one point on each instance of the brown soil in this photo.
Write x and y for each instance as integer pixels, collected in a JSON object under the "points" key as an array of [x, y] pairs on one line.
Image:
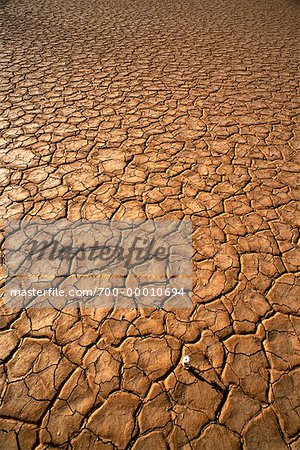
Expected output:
{"points": [[157, 109]]}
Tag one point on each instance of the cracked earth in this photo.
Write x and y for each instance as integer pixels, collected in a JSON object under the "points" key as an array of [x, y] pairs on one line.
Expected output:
{"points": [[163, 110]]}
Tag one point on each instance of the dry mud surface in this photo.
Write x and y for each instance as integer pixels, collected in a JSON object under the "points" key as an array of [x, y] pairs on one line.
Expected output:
{"points": [[157, 109]]}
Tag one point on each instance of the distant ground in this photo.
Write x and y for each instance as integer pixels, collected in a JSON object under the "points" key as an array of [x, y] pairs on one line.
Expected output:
{"points": [[157, 109]]}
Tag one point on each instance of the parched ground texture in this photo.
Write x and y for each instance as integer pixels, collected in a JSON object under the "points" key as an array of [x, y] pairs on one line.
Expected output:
{"points": [[157, 109]]}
